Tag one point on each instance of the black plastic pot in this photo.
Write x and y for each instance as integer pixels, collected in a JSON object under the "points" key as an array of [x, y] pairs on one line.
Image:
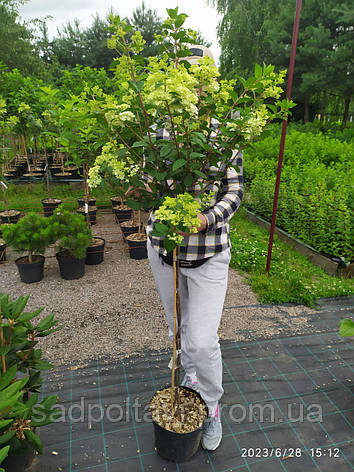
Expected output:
{"points": [[30, 273], [177, 447], [95, 254], [18, 462], [70, 267], [127, 230], [10, 219], [49, 207], [137, 249], [122, 215], [92, 214], [91, 202], [3, 252]]}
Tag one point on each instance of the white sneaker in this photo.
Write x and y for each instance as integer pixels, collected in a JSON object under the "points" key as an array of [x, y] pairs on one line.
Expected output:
{"points": [[190, 383], [212, 432]]}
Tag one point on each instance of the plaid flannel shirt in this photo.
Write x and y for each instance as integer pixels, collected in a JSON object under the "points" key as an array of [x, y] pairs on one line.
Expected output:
{"points": [[226, 201]]}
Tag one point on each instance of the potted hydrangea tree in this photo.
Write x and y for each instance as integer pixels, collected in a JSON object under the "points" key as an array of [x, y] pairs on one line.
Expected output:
{"points": [[171, 175]]}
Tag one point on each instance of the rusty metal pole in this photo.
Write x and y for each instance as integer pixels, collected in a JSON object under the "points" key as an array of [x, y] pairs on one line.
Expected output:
{"points": [[283, 134]]}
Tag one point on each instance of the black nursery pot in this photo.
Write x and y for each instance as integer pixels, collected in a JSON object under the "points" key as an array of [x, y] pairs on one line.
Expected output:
{"points": [[18, 462], [10, 219], [70, 267], [30, 273], [49, 207], [137, 249], [122, 215], [95, 254], [177, 447], [92, 214], [2, 252], [91, 202], [127, 230]]}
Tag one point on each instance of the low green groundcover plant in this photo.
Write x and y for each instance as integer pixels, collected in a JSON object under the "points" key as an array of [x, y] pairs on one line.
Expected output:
{"points": [[293, 278]]}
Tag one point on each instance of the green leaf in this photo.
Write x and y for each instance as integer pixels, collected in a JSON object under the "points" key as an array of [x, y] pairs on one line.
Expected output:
{"points": [[134, 204], [4, 350], [34, 440], [172, 12], [4, 438], [29, 316], [180, 20], [3, 454], [200, 174], [188, 180], [161, 228], [178, 164], [7, 378], [346, 327], [258, 71], [4, 423], [169, 245], [166, 149]]}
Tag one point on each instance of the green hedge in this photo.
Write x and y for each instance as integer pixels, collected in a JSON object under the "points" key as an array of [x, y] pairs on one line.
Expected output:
{"points": [[316, 192]]}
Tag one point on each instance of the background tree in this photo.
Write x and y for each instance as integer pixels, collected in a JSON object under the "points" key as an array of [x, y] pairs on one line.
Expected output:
{"points": [[261, 31], [17, 40]]}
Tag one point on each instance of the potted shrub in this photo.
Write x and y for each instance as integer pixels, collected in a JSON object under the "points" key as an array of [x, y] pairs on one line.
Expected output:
{"points": [[33, 234], [74, 237], [173, 175], [21, 364]]}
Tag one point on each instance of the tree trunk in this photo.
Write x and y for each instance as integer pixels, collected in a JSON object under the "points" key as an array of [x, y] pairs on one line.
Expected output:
{"points": [[346, 112], [323, 105], [306, 110]]}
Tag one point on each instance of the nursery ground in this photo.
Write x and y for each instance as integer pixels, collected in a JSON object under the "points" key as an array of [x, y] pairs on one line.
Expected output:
{"points": [[287, 406], [114, 310]]}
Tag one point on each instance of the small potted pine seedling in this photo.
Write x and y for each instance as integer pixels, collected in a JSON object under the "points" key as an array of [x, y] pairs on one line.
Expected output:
{"points": [[32, 234], [73, 237]]}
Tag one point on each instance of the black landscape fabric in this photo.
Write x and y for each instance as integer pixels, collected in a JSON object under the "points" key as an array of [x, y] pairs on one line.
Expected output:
{"points": [[288, 406]]}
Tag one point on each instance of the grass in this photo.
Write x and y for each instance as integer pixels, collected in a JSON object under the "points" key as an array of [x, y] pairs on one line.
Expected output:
{"points": [[27, 197], [293, 278]]}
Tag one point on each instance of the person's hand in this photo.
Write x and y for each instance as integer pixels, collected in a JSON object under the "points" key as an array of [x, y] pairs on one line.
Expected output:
{"points": [[202, 227], [136, 192]]}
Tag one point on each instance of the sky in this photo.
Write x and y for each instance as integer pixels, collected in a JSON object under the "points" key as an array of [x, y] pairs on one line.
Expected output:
{"points": [[200, 16]]}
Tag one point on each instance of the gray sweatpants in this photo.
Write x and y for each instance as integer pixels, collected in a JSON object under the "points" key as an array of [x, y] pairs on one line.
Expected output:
{"points": [[202, 294]]}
